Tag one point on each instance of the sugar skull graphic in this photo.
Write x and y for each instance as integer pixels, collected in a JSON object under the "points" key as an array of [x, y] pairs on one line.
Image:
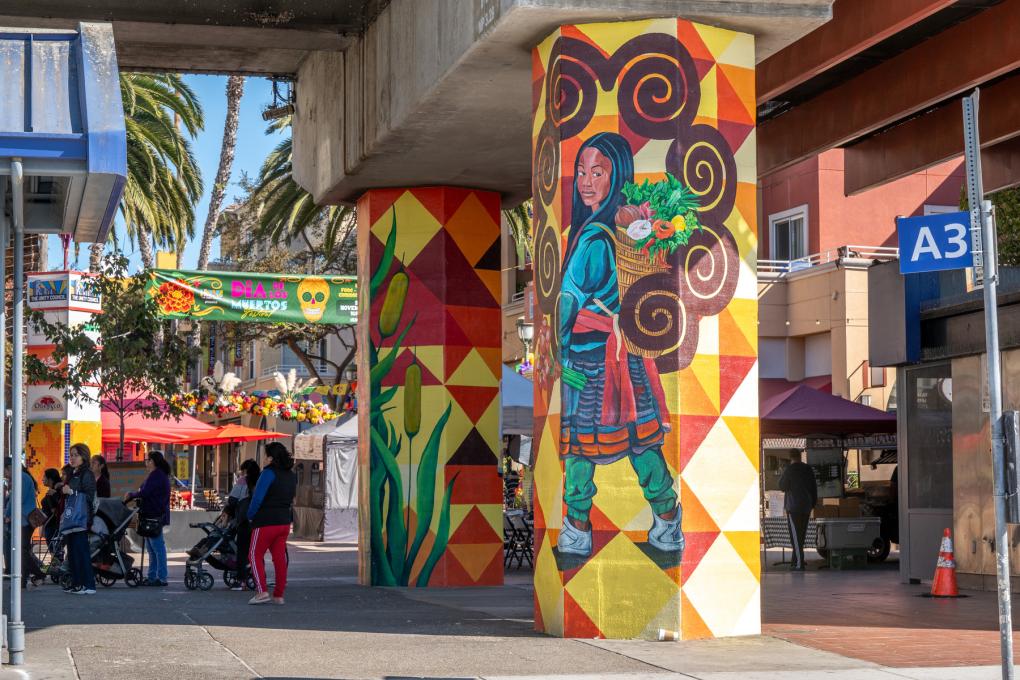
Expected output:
{"points": [[313, 293]]}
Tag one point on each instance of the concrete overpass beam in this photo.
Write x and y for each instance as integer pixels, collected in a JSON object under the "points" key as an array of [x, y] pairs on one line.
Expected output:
{"points": [[440, 92]]}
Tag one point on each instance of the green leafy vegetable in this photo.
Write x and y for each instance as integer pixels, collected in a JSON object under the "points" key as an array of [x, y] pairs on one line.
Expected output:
{"points": [[668, 197]]}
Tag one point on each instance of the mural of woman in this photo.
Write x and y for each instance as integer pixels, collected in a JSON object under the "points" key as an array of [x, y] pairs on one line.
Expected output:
{"points": [[613, 404]]}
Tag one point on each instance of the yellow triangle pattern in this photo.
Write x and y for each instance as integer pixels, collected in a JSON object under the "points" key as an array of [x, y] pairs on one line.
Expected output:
{"points": [[474, 372], [417, 226]]}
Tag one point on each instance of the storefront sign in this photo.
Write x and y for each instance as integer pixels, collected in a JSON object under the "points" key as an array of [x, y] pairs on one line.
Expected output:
{"points": [[265, 298]]}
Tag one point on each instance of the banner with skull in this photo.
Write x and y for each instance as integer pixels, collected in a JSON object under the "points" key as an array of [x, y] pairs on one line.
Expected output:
{"points": [[256, 297]]}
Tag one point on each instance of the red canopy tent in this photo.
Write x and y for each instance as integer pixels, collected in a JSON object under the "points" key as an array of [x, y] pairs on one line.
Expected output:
{"points": [[793, 409], [163, 430], [229, 434]]}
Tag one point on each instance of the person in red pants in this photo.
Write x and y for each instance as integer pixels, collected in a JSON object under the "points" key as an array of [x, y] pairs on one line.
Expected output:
{"points": [[270, 515]]}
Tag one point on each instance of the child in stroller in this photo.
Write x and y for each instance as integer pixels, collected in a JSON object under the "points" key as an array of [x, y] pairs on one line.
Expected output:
{"points": [[219, 550], [110, 562]]}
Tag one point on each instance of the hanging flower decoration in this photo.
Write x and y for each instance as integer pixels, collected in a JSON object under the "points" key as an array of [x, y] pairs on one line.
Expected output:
{"points": [[301, 410]]}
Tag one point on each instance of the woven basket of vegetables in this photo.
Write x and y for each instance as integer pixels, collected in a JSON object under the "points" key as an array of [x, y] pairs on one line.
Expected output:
{"points": [[658, 218]]}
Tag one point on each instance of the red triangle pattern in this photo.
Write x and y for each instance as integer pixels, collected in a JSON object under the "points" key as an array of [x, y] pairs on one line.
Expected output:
{"points": [[734, 133], [396, 375], [434, 200], [599, 520], [492, 575], [481, 325], [693, 430], [474, 529], [689, 37], [376, 202], [576, 623], [453, 355], [703, 66], [474, 400], [732, 371], [697, 544]]}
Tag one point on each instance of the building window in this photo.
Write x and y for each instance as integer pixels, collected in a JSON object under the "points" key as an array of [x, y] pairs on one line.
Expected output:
{"points": [[788, 234], [877, 376]]}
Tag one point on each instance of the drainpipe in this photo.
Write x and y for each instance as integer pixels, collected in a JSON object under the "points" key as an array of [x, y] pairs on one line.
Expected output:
{"points": [[16, 627], [4, 232]]}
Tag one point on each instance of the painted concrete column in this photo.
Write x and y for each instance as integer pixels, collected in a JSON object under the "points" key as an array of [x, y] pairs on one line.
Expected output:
{"points": [[646, 407], [429, 368]]}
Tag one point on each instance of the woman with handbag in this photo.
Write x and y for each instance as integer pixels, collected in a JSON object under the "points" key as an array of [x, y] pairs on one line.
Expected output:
{"points": [[79, 507], [154, 514]]}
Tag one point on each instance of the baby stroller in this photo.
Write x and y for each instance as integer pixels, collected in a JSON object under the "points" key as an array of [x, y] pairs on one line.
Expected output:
{"points": [[108, 560], [219, 550]]}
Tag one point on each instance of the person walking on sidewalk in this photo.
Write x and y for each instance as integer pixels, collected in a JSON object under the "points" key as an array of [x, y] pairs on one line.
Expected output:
{"points": [[801, 493], [29, 564], [269, 513], [155, 496], [81, 483]]}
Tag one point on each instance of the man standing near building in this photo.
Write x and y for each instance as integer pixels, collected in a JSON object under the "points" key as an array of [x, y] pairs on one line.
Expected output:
{"points": [[798, 483]]}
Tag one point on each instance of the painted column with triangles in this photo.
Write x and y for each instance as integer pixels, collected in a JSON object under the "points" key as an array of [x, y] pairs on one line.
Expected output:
{"points": [[429, 364], [646, 409]]}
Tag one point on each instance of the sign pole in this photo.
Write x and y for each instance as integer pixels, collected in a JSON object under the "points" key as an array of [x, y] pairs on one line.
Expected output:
{"points": [[15, 626], [986, 265]]}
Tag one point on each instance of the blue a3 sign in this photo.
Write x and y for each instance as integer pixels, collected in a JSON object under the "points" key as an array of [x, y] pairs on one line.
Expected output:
{"points": [[935, 242]]}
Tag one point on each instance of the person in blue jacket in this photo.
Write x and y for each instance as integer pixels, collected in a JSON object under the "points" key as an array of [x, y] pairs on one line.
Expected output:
{"points": [[29, 564], [155, 498], [270, 515]]}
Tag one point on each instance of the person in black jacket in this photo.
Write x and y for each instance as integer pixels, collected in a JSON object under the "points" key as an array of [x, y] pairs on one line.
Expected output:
{"points": [[82, 481], [801, 489], [270, 515], [102, 474]]}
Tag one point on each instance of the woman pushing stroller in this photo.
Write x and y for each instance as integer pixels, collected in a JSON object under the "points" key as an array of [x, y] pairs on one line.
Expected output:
{"points": [[154, 495]]}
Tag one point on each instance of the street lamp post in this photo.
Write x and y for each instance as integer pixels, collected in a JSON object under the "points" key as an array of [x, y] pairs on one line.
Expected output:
{"points": [[526, 332]]}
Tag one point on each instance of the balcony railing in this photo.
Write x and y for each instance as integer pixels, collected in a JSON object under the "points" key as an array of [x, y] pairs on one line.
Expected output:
{"points": [[878, 253], [301, 369]]}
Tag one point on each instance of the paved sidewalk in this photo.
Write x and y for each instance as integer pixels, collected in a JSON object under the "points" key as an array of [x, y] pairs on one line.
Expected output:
{"points": [[333, 628]]}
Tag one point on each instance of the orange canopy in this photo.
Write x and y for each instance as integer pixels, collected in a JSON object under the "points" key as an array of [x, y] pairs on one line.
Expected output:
{"points": [[164, 430], [227, 434]]}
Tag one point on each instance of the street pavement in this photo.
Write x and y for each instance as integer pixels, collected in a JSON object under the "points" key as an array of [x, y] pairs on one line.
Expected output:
{"points": [[333, 628]]}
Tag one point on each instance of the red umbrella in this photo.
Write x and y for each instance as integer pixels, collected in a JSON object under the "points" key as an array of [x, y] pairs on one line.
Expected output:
{"points": [[229, 434], [163, 430]]}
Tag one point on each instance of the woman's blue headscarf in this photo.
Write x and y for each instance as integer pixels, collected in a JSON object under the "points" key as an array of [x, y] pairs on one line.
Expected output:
{"points": [[618, 151]]}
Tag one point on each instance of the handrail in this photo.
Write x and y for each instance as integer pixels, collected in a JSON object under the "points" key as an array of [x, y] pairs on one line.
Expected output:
{"points": [[878, 253]]}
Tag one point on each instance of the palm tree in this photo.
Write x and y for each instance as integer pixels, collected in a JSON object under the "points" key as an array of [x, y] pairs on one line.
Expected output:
{"points": [[519, 221], [235, 90], [289, 212], [163, 180]]}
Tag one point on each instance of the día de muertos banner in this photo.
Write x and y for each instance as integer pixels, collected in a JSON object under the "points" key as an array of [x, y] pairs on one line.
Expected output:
{"points": [[261, 298]]}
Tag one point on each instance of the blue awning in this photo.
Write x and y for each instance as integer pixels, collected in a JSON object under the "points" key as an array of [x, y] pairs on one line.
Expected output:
{"points": [[61, 115], [517, 399]]}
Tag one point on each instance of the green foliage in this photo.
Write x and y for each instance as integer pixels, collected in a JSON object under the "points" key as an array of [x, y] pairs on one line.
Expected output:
{"points": [[288, 211], [1007, 223], [667, 198], [519, 221], [164, 182], [137, 367]]}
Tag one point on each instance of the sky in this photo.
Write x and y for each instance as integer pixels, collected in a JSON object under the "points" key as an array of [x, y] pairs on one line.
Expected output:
{"points": [[252, 147]]}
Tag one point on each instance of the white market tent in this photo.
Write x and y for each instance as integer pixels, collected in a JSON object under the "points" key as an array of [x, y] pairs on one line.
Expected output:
{"points": [[335, 445]]}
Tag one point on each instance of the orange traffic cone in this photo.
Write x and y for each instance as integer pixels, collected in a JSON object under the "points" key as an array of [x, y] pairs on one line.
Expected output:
{"points": [[944, 584]]}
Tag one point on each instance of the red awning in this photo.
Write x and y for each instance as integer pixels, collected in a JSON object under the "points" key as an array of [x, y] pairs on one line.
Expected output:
{"points": [[164, 430], [796, 409], [228, 434]]}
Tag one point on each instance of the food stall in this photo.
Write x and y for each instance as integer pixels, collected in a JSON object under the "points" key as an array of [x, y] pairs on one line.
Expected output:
{"points": [[838, 439]]}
